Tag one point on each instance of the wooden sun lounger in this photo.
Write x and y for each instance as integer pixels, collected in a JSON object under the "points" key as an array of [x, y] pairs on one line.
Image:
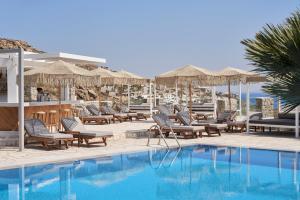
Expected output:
{"points": [[94, 116], [167, 111], [103, 119], [37, 130], [107, 110], [76, 128], [166, 126], [236, 125], [211, 126], [132, 114]]}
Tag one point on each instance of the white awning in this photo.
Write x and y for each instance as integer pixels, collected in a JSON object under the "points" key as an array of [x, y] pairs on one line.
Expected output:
{"points": [[70, 58]]}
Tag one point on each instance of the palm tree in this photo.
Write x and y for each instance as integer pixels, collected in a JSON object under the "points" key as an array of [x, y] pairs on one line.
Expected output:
{"points": [[275, 52]]}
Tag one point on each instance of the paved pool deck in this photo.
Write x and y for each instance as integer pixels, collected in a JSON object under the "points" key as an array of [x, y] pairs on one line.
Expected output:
{"points": [[124, 141]]}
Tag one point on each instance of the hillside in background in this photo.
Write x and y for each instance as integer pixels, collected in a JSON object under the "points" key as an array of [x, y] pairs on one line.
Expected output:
{"points": [[15, 44]]}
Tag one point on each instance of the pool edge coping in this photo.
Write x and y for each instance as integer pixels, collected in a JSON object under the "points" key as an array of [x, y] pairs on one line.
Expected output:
{"points": [[146, 148]]}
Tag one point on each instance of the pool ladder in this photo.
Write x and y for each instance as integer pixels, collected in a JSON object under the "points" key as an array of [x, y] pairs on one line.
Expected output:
{"points": [[164, 159], [161, 135]]}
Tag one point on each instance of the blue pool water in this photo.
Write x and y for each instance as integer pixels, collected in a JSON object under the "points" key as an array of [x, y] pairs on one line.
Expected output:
{"points": [[196, 172]]}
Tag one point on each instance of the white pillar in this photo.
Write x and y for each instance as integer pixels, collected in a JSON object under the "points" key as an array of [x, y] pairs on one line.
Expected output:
{"points": [[240, 98], [150, 97], [12, 87], [128, 88], [248, 107], [297, 122], [21, 99], [67, 92]]}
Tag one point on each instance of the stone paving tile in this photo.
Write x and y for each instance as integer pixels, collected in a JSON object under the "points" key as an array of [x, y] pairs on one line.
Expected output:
{"points": [[10, 158]]}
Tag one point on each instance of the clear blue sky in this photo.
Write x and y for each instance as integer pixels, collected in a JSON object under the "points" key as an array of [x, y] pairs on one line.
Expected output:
{"points": [[145, 37]]}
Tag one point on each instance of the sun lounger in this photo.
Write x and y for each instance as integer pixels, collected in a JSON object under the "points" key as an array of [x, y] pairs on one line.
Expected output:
{"points": [[94, 117], [37, 130], [203, 107], [131, 114], [107, 110], [165, 109], [226, 116], [236, 125], [104, 111], [211, 126], [75, 127], [142, 110], [179, 108], [166, 126], [203, 115]]}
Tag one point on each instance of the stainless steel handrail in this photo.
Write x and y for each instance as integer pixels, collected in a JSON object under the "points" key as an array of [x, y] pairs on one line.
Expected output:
{"points": [[161, 135]]}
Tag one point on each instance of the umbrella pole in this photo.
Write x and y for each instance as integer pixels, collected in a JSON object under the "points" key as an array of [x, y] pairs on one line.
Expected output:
{"points": [[240, 99], [181, 94], [121, 97], [154, 94], [128, 90], [176, 93], [229, 95], [190, 94], [59, 106], [99, 97], [150, 97]]}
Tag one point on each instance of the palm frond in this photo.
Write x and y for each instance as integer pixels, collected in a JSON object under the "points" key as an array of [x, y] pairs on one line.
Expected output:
{"points": [[275, 52]]}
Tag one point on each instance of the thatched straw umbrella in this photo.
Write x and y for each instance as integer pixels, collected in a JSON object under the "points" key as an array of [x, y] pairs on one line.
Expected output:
{"points": [[119, 78], [60, 73], [187, 74], [232, 75], [125, 77], [107, 77], [131, 78]]}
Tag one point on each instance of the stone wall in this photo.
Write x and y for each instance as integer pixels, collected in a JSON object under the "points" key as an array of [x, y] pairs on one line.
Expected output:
{"points": [[223, 104], [220, 105], [266, 106]]}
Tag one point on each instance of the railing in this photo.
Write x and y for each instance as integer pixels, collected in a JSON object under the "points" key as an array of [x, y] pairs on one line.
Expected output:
{"points": [[158, 129]]}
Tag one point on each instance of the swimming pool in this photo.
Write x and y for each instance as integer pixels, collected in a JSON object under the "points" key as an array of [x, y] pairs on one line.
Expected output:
{"points": [[195, 172]]}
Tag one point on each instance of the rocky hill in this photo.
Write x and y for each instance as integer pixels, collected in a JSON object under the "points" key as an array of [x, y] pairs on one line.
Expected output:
{"points": [[14, 44]]}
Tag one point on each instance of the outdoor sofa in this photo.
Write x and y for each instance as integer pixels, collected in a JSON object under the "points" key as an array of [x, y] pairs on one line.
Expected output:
{"points": [[284, 120]]}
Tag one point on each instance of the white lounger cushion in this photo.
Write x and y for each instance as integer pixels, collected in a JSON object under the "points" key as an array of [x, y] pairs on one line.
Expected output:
{"points": [[83, 131], [218, 126], [97, 133], [55, 136], [36, 128]]}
